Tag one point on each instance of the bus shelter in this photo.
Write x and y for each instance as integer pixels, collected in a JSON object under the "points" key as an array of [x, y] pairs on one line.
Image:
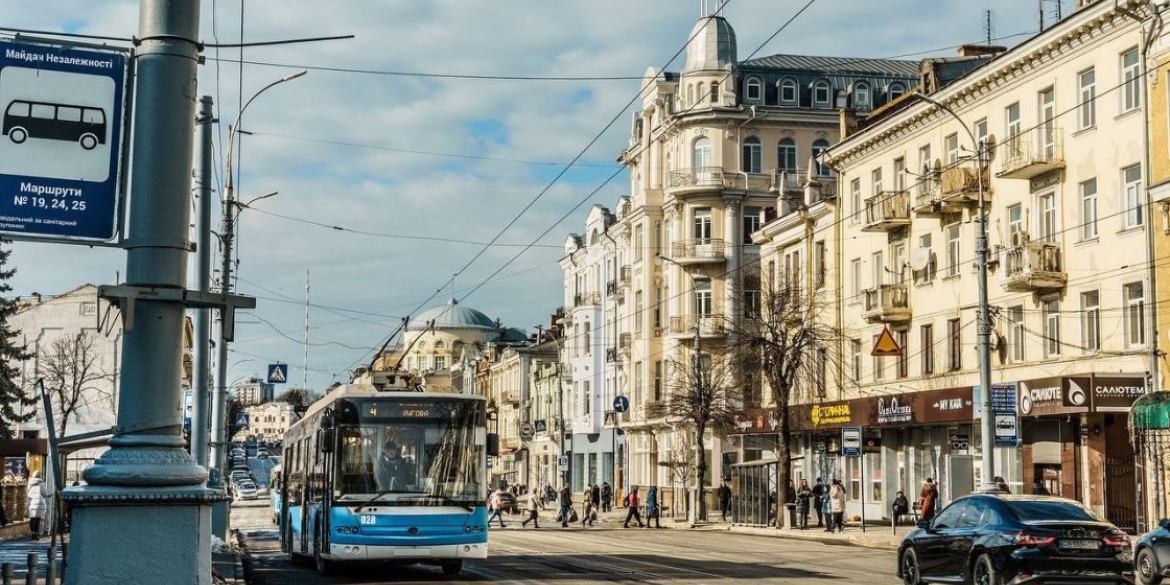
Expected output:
{"points": [[753, 492]]}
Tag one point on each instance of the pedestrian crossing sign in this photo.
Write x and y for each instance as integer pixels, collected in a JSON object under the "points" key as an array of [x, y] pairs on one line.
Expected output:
{"points": [[242, 420], [277, 373]]}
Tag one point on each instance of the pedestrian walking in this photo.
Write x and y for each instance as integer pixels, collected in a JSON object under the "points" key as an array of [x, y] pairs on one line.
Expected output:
{"points": [[724, 496], [653, 510], [35, 494], [606, 497], [566, 513], [819, 501], [535, 504], [596, 498], [587, 504], [837, 505], [827, 508], [927, 496], [495, 503], [632, 504], [803, 501]]}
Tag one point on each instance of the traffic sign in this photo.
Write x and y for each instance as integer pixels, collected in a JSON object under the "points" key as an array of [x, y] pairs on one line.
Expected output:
{"points": [[526, 431], [61, 143], [188, 409], [886, 345], [851, 441], [563, 462], [277, 373], [242, 420], [621, 403]]}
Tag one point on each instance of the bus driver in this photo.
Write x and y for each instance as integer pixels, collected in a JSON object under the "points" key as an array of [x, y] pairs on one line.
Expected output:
{"points": [[393, 472]]}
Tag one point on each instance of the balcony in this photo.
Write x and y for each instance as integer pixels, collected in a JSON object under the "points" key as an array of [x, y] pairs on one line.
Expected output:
{"points": [[611, 354], [586, 299], [614, 289], [1032, 266], [625, 340], [625, 275], [1032, 154], [510, 396], [705, 179], [698, 251], [710, 325], [887, 211], [792, 181], [889, 303], [927, 199]]}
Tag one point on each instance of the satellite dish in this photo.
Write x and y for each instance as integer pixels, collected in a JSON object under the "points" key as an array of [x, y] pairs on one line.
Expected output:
{"points": [[920, 258]]}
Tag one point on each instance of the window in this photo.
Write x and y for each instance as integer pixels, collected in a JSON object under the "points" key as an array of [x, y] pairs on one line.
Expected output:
{"points": [[703, 301], [861, 99], [878, 268], [900, 174], [585, 398], [954, 345], [786, 154], [657, 380], [1015, 317], [440, 362], [1135, 314], [751, 295], [819, 264], [637, 398], [690, 94], [1091, 321], [702, 225], [875, 178], [855, 360], [1131, 178], [1015, 221], [410, 363], [639, 245], [981, 134], [639, 301], [879, 364], [1012, 127], [818, 149], [896, 90], [1049, 218], [821, 371], [854, 279], [422, 362], [855, 199], [1051, 309], [714, 92], [927, 349], [926, 245], [954, 250], [904, 359], [587, 339], [788, 91], [1088, 210], [1131, 96], [821, 93], [1047, 103], [657, 300], [702, 153], [751, 223], [755, 89], [753, 155], [1087, 84], [951, 146]]}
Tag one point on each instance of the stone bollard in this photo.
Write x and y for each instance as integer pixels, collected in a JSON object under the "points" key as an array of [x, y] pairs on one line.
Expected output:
{"points": [[31, 577], [6, 571]]}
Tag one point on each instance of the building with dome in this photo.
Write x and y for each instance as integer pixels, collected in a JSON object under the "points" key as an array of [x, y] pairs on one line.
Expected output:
{"points": [[441, 337]]}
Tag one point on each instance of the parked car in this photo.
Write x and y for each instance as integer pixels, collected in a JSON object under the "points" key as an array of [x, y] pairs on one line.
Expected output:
{"points": [[246, 491], [1151, 555], [997, 538]]}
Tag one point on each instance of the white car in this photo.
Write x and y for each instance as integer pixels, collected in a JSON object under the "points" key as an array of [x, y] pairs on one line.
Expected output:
{"points": [[246, 490]]}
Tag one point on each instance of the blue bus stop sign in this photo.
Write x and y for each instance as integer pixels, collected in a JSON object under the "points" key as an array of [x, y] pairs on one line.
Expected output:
{"points": [[621, 403]]}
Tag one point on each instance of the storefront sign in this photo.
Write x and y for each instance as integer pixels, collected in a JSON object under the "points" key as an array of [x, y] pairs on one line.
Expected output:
{"points": [[831, 414], [893, 411], [1116, 394], [960, 442], [756, 421]]}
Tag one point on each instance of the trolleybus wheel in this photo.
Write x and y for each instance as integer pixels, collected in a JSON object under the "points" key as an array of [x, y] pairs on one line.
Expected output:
{"points": [[451, 567]]}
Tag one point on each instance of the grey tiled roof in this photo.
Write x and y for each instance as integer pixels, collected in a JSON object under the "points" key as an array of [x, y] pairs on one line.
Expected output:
{"points": [[836, 65]]}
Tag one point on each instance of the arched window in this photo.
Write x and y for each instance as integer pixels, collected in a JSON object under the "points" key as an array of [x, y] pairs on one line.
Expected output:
{"points": [[821, 93], [861, 99], [818, 148], [755, 89], [690, 94], [702, 153], [788, 95], [714, 92], [593, 238], [787, 154], [753, 154], [440, 345], [896, 90], [422, 345]]}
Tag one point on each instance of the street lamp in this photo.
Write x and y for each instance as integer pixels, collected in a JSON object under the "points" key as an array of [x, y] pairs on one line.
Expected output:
{"points": [[984, 317]]}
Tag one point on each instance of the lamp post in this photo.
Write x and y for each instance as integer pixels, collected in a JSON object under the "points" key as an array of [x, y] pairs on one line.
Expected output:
{"points": [[230, 207], [984, 316]]}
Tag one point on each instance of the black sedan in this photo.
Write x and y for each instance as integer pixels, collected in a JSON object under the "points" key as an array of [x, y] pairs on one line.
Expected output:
{"points": [[1152, 555], [1004, 539]]}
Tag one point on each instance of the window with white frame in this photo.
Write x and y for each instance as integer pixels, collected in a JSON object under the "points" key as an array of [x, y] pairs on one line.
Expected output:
{"points": [[877, 271], [788, 91], [1015, 330], [1051, 309], [701, 158], [927, 348], [855, 199], [639, 305], [703, 298], [954, 249], [440, 362], [1131, 89], [1087, 99], [701, 230], [819, 147], [786, 154], [951, 146], [980, 129], [861, 99], [1015, 222], [925, 244], [1134, 298], [896, 90], [820, 264], [1091, 321], [900, 174], [639, 243], [875, 179], [1131, 179], [1047, 104], [821, 93], [1088, 210], [854, 279], [1049, 218], [751, 222], [714, 92], [755, 89], [855, 360], [1012, 128], [753, 155], [422, 362], [879, 363]]}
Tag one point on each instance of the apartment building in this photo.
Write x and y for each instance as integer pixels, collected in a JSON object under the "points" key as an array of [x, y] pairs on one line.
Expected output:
{"points": [[1060, 122]]}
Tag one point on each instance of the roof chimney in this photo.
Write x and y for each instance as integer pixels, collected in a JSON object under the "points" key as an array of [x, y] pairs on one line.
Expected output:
{"points": [[848, 122]]}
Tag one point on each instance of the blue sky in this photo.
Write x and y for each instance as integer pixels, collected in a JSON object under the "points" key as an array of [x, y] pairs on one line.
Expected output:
{"points": [[391, 157]]}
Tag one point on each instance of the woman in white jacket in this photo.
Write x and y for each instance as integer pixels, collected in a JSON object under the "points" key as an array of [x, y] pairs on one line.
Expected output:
{"points": [[36, 495], [837, 505]]}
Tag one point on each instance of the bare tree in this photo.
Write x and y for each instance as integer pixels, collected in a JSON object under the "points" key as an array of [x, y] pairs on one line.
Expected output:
{"points": [[782, 341], [74, 378], [704, 395], [300, 398]]}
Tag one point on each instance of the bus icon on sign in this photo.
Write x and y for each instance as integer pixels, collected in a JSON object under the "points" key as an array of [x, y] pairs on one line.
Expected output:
{"points": [[85, 125]]}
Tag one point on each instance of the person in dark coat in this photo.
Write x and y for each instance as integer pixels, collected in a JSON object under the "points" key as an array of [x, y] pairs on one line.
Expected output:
{"points": [[652, 509], [818, 491], [803, 501], [606, 497], [394, 472], [596, 498], [900, 507], [724, 496], [1039, 489], [927, 496], [566, 506]]}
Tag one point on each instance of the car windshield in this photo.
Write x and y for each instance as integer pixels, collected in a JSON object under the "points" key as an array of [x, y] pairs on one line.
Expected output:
{"points": [[1030, 511]]}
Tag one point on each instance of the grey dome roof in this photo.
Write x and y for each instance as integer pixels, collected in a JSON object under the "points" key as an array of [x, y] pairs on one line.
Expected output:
{"points": [[452, 316], [711, 46]]}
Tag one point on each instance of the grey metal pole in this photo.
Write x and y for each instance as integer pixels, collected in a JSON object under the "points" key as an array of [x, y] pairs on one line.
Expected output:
{"points": [[987, 426], [200, 383], [146, 488], [6, 571], [30, 577]]}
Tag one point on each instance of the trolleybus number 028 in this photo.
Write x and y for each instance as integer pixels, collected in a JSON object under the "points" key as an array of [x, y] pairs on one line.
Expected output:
{"points": [[367, 520]]}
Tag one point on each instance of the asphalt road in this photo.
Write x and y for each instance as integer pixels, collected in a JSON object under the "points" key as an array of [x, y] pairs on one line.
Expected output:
{"points": [[589, 555]]}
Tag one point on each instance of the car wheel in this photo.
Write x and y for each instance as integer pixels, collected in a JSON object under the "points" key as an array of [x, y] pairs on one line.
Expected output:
{"points": [[1146, 567], [451, 568], [911, 573], [18, 135], [984, 572]]}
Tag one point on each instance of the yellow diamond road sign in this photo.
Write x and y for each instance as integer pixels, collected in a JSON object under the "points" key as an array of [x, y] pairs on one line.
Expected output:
{"points": [[886, 345]]}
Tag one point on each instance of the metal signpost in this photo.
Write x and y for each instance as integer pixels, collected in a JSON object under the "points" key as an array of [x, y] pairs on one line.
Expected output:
{"points": [[62, 112]]}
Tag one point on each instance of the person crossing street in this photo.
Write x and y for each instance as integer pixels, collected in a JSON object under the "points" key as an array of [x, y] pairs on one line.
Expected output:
{"points": [[632, 505]]}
